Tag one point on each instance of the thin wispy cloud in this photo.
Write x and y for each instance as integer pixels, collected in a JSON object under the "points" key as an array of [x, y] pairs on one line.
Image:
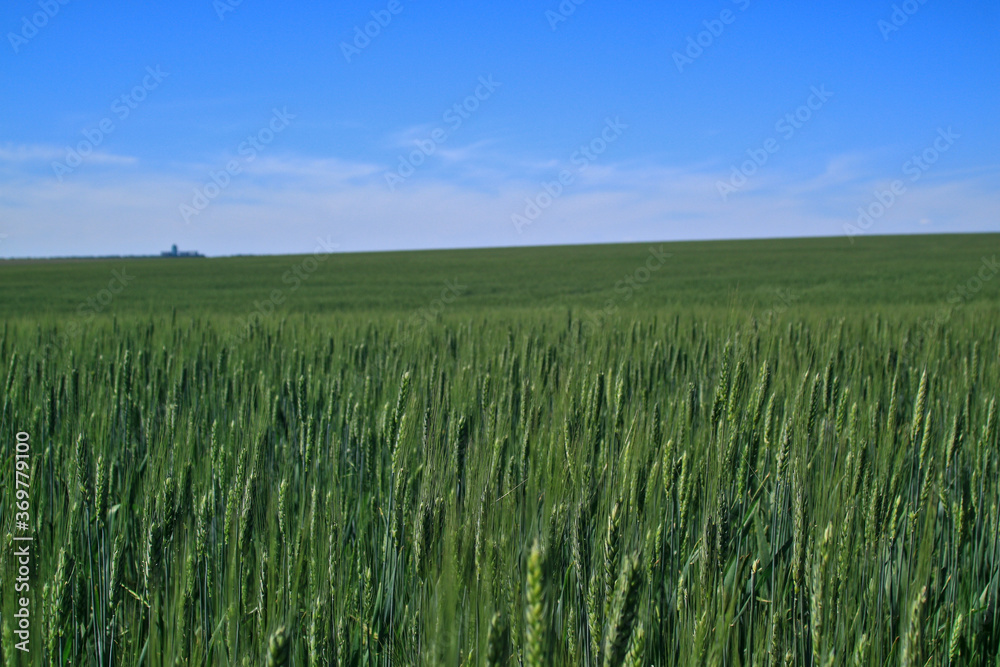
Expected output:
{"points": [[47, 154]]}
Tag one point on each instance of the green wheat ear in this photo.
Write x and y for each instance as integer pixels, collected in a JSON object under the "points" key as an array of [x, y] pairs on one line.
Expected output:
{"points": [[955, 645], [637, 647], [535, 631], [775, 654], [625, 611], [278, 648], [497, 642], [611, 545]]}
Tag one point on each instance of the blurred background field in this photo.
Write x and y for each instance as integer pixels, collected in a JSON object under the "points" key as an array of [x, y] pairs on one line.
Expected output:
{"points": [[823, 272]]}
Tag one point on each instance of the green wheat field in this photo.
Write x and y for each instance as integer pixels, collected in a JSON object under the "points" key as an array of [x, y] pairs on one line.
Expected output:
{"points": [[778, 452]]}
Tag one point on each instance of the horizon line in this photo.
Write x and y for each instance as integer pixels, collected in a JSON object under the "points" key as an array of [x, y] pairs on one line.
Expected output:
{"points": [[199, 255]]}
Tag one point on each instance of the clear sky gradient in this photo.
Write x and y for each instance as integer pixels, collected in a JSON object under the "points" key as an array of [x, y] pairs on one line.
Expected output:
{"points": [[257, 127]]}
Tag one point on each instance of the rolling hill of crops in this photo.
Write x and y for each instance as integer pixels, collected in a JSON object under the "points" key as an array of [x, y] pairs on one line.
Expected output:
{"points": [[759, 453]]}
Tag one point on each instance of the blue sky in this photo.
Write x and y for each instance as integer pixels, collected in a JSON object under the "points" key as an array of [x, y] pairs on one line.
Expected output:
{"points": [[252, 127]]}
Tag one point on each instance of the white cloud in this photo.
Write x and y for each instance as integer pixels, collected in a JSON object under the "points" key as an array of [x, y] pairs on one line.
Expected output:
{"points": [[281, 203], [43, 153], [329, 171], [37, 153]]}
